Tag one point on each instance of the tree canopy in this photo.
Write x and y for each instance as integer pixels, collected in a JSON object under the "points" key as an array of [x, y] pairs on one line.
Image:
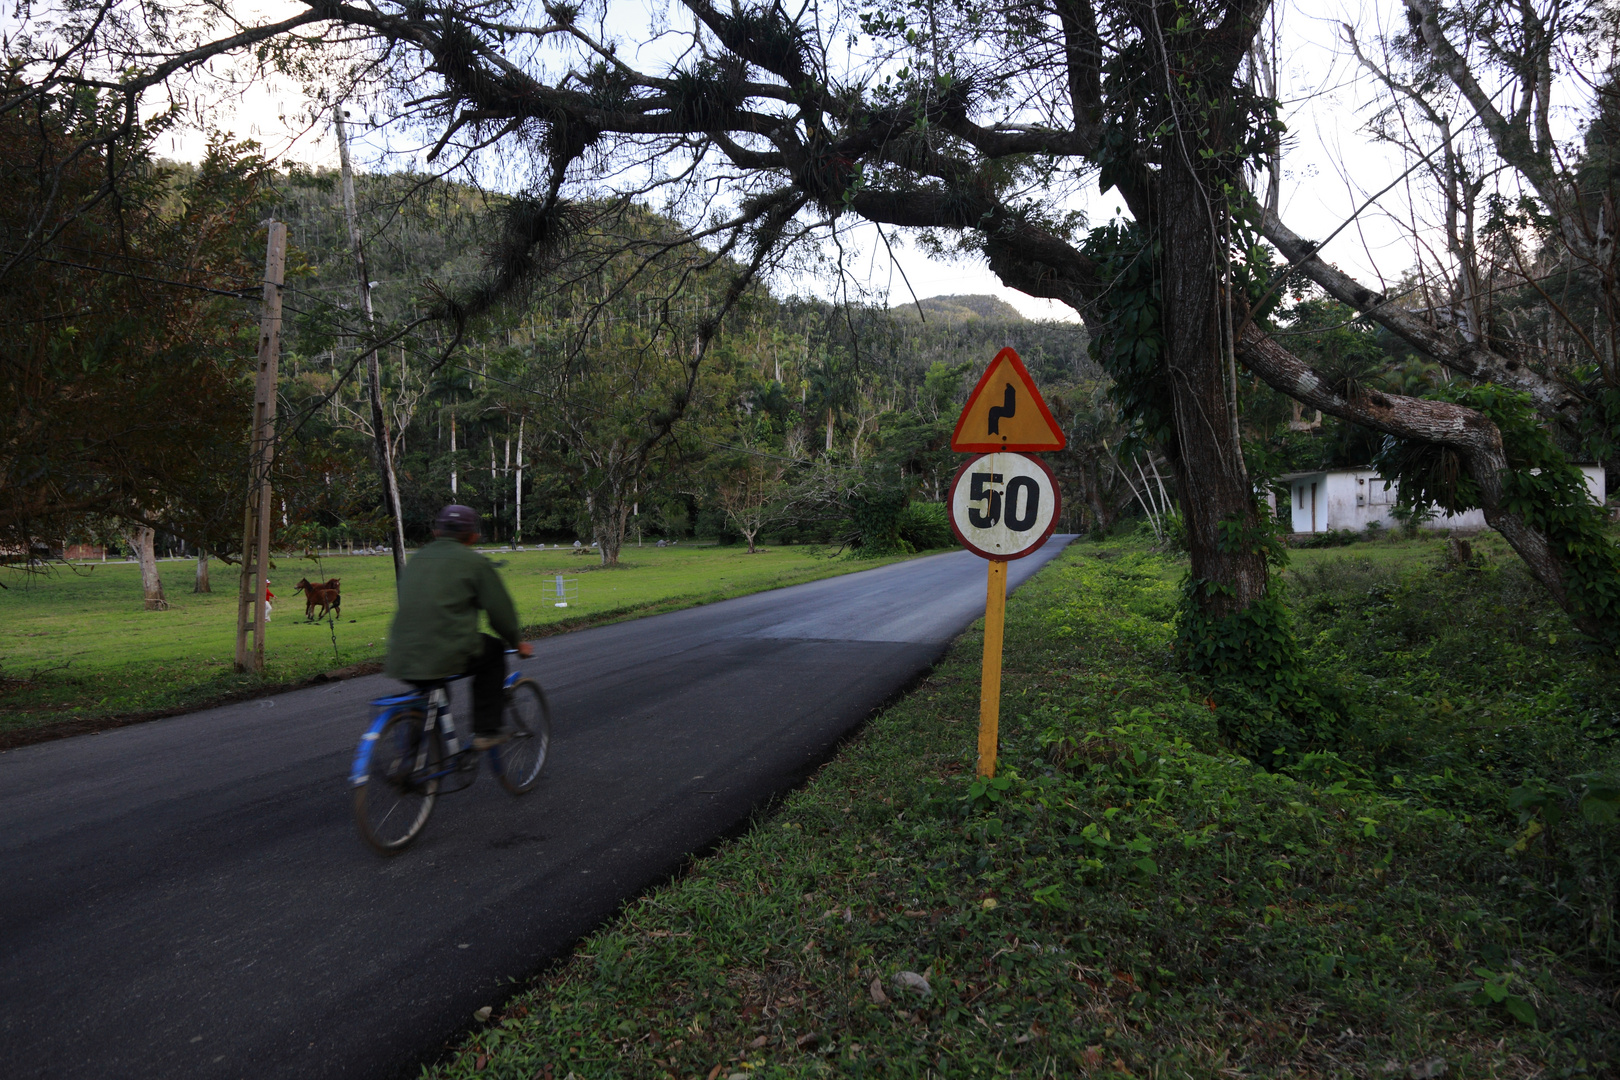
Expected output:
{"points": [[968, 127]]}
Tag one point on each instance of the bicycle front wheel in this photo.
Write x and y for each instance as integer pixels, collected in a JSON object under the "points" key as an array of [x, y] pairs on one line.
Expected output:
{"points": [[519, 760], [401, 783]]}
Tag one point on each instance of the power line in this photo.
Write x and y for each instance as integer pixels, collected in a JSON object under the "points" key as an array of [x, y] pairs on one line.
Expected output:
{"points": [[245, 293]]}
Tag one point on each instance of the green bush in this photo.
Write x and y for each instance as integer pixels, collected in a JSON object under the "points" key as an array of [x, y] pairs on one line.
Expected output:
{"points": [[875, 514], [926, 525]]}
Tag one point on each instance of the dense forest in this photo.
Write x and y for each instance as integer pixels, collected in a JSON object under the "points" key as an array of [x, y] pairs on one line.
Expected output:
{"points": [[570, 412]]}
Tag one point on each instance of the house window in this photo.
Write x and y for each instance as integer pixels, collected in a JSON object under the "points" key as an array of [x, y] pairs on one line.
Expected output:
{"points": [[1380, 492]]}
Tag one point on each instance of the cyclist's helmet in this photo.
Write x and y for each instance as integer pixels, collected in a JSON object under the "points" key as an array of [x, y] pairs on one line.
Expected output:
{"points": [[456, 520]]}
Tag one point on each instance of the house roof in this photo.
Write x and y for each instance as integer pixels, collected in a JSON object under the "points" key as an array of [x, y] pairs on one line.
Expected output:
{"points": [[1324, 472]]}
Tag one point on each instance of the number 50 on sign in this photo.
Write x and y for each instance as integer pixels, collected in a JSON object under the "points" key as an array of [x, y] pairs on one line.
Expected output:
{"points": [[1003, 506]]}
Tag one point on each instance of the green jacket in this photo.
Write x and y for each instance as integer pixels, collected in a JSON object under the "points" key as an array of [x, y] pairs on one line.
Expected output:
{"points": [[435, 633]]}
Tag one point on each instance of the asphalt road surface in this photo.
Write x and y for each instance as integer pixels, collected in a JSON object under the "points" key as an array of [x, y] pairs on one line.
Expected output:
{"points": [[188, 897]]}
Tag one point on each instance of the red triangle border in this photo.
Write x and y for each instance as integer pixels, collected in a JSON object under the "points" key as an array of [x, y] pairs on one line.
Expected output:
{"points": [[1040, 403]]}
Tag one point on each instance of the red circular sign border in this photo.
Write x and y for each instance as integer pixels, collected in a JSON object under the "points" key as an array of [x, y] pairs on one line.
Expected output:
{"points": [[1057, 509]]}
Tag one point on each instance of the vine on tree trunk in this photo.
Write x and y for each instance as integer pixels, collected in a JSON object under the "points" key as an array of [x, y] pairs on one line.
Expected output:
{"points": [[1269, 705]]}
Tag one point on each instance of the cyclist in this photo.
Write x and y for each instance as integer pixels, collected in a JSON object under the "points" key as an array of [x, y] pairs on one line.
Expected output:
{"points": [[435, 633]]}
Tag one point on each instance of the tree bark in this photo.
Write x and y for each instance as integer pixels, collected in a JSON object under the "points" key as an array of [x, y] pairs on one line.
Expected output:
{"points": [[202, 573], [609, 526], [382, 444], [1206, 457], [1471, 358], [140, 539]]}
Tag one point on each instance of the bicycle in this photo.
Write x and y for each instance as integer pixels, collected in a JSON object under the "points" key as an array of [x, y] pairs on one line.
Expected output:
{"points": [[410, 755]]}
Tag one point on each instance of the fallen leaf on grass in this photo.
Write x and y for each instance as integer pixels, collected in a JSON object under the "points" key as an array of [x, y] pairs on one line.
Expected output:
{"points": [[482, 1015], [759, 1042], [479, 1062], [714, 1072], [878, 996], [808, 1041], [1091, 1057]]}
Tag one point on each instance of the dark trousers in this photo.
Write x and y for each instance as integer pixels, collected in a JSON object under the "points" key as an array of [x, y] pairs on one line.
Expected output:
{"points": [[488, 671], [488, 674]]}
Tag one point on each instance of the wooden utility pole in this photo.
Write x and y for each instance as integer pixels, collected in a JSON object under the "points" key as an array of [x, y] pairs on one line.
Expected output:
{"points": [[256, 518], [379, 419]]}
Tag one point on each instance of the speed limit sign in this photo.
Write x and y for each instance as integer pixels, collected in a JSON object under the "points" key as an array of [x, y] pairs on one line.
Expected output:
{"points": [[1003, 505]]}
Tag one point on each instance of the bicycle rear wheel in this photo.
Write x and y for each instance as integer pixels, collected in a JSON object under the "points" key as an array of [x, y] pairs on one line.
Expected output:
{"points": [[519, 760], [393, 804]]}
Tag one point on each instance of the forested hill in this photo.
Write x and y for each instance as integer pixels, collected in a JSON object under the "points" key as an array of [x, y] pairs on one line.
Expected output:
{"points": [[594, 357], [959, 308]]}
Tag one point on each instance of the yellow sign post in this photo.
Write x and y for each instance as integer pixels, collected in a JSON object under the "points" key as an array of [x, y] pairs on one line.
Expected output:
{"points": [[995, 611], [1003, 505]]}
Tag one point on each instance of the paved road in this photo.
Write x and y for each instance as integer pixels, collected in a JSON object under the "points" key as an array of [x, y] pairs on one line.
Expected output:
{"points": [[188, 898]]}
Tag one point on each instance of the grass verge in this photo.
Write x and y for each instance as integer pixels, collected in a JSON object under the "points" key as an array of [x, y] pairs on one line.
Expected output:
{"points": [[1127, 898], [78, 652]]}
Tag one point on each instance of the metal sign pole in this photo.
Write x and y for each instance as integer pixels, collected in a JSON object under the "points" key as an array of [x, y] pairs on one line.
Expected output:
{"points": [[995, 611]]}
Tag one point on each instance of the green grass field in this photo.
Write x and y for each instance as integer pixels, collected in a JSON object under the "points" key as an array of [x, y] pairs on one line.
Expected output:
{"points": [[1130, 898], [77, 646]]}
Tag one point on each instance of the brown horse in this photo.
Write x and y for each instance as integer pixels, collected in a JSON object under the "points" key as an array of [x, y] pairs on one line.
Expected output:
{"points": [[325, 596]]}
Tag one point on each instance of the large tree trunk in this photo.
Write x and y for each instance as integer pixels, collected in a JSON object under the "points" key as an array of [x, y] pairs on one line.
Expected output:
{"points": [[140, 539], [610, 519], [202, 573], [1207, 459]]}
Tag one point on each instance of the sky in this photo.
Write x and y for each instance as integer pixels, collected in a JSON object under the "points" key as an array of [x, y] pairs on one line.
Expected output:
{"points": [[1330, 168]]}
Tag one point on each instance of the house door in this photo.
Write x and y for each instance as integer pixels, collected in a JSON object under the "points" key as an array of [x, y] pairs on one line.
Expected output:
{"points": [[1313, 508]]}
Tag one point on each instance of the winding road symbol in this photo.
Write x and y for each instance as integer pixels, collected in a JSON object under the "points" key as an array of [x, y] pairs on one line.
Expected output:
{"points": [[1008, 408], [1019, 422]]}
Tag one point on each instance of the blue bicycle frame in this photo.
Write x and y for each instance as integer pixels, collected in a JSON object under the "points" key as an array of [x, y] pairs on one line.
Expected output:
{"points": [[389, 707]]}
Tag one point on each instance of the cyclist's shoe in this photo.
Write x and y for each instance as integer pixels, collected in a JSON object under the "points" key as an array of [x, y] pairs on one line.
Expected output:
{"points": [[485, 742]]}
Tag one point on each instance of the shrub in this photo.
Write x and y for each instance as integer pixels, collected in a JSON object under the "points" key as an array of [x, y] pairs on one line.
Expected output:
{"points": [[926, 525]]}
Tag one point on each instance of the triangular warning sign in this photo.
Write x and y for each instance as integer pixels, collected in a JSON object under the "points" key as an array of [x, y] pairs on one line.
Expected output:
{"points": [[1006, 412]]}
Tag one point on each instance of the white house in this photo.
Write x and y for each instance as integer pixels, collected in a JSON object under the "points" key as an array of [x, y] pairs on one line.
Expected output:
{"points": [[1335, 499]]}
